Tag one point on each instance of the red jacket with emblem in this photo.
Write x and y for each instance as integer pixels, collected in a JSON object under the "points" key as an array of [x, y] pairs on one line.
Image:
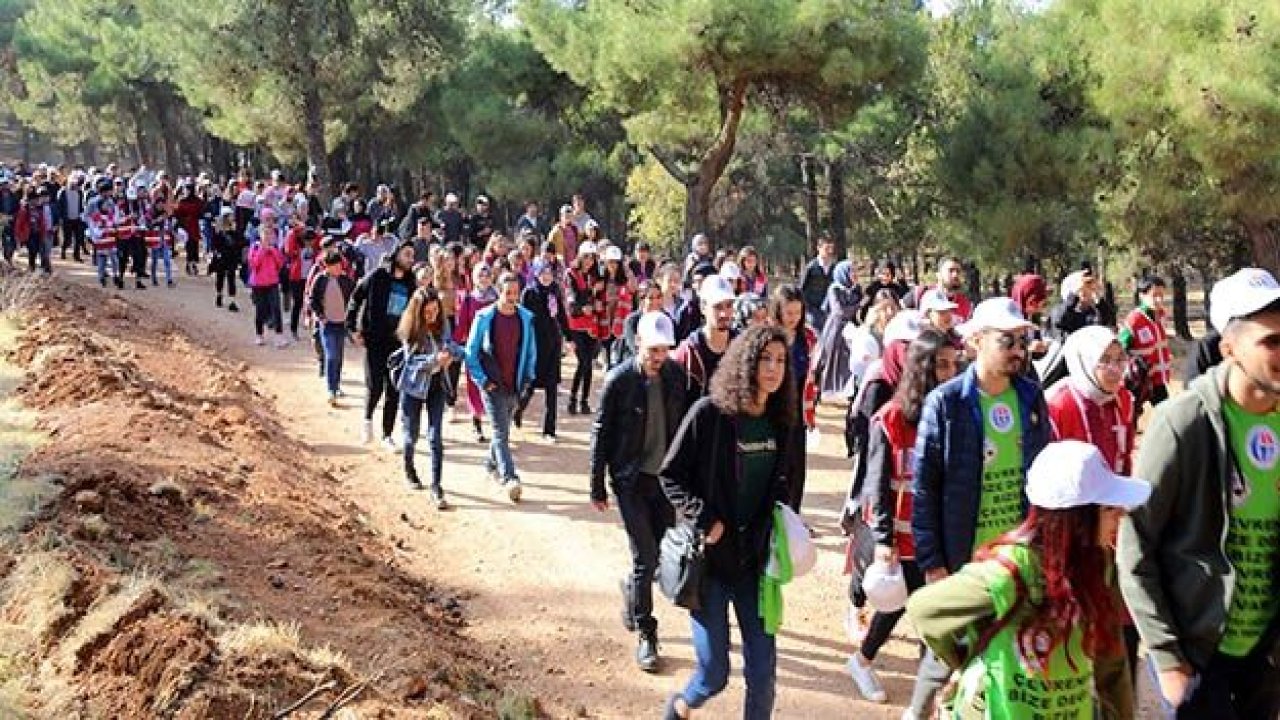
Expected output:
{"points": [[1146, 338], [1107, 426]]}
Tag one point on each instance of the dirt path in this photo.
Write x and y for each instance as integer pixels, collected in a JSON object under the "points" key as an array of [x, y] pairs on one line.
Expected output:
{"points": [[542, 576]]}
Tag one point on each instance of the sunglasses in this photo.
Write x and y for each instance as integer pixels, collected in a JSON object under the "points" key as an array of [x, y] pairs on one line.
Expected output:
{"points": [[1008, 341]]}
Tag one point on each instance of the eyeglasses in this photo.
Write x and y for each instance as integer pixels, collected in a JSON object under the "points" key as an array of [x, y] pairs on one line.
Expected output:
{"points": [[1008, 341]]}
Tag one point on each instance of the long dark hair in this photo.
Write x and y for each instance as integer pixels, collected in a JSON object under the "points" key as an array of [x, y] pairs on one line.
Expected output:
{"points": [[920, 374], [734, 386], [1074, 566]]}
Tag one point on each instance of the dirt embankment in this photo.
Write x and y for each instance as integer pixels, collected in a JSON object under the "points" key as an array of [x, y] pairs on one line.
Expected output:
{"points": [[192, 560]]}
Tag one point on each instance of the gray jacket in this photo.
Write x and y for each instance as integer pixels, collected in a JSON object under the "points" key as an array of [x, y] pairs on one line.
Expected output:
{"points": [[1174, 571]]}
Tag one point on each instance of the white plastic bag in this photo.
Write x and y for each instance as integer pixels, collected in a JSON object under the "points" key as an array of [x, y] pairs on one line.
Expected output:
{"points": [[804, 554]]}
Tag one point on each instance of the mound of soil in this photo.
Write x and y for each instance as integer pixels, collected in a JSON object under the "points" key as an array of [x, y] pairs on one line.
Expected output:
{"points": [[185, 511]]}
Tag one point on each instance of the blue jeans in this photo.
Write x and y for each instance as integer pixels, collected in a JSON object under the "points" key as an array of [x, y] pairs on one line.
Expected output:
{"points": [[163, 254], [333, 336], [501, 407], [411, 421], [710, 630], [107, 257]]}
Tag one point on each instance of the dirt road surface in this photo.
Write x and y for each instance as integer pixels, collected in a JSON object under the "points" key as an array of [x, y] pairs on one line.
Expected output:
{"points": [[541, 577]]}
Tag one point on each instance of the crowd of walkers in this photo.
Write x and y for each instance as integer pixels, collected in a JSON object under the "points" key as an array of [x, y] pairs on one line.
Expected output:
{"points": [[993, 444]]}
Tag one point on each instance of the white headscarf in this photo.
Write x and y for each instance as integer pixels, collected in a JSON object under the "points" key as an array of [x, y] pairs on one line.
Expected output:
{"points": [[1083, 350]]}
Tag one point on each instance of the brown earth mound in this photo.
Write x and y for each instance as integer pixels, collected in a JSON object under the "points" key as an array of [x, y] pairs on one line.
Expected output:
{"points": [[196, 561]]}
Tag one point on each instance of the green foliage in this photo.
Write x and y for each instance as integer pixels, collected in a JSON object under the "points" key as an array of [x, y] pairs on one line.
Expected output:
{"points": [[657, 203]]}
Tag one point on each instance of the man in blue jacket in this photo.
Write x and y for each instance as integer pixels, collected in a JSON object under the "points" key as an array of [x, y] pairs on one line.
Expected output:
{"points": [[977, 436], [502, 358]]}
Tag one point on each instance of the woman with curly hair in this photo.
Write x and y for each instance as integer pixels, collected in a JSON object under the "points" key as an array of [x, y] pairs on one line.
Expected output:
{"points": [[726, 468], [1035, 603]]}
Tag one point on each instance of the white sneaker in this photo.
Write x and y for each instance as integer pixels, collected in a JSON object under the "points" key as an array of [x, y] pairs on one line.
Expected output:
{"points": [[389, 444], [259, 341], [366, 432], [549, 439], [909, 714], [866, 680]]}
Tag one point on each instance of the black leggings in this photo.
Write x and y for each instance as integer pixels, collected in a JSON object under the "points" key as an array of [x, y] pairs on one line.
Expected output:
{"points": [[585, 348], [378, 384], [225, 273], [296, 288]]}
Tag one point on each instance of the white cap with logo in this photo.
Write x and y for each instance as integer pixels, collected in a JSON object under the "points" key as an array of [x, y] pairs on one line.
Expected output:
{"points": [[936, 300], [885, 587], [904, 326], [997, 313], [715, 290], [655, 329], [1241, 295], [1071, 473]]}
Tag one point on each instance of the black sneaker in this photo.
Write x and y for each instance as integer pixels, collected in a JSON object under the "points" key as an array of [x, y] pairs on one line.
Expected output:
{"points": [[217, 302], [119, 282], [573, 406], [233, 307], [584, 408], [102, 281], [518, 419], [140, 285], [647, 651]]}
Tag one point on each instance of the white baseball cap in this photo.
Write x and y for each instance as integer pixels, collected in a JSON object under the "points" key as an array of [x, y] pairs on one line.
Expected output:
{"points": [[613, 252], [936, 300], [730, 270], [715, 290], [998, 313], [885, 587], [904, 326], [1071, 473], [587, 248], [655, 328], [1240, 295]]}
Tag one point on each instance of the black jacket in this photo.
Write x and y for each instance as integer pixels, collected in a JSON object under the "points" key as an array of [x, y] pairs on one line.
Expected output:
{"points": [[1069, 315], [700, 477], [1206, 355], [367, 309], [617, 435], [346, 284], [549, 332]]}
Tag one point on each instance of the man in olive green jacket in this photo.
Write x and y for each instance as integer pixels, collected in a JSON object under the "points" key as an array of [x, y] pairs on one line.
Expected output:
{"points": [[1199, 562]]}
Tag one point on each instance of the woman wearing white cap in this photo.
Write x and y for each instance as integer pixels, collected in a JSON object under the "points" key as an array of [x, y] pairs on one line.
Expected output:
{"points": [[1034, 603], [619, 298]]}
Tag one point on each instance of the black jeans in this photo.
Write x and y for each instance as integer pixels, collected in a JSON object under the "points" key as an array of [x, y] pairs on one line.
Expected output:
{"points": [[133, 252], [224, 269], [585, 349], [296, 287], [266, 309], [549, 408], [646, 515], [73, 235], [377, 383], [882, 624], [1232, 688]]}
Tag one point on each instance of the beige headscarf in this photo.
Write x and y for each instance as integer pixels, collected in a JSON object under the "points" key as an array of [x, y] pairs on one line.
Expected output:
{"points": [[1082, 350]]}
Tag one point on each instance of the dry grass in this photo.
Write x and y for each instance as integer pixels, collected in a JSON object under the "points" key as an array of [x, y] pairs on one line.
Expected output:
{"points": [[105, 613], [269, 638], [17, 291]]}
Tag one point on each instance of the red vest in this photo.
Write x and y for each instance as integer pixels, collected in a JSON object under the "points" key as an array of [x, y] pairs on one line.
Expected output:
{"points": [[1106, 426], [1150, 343], [584, 317], [902, 441]]}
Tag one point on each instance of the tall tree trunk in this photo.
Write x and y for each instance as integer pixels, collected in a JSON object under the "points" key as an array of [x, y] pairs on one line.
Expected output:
{"points": [[733, 102], [313, 126], [1181, 324], [836, 203], [1264, 243], [808, 177]]}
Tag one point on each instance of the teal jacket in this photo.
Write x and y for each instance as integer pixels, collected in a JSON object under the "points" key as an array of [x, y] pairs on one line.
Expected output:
{"points": [[480, 360], [1174, 571]]}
